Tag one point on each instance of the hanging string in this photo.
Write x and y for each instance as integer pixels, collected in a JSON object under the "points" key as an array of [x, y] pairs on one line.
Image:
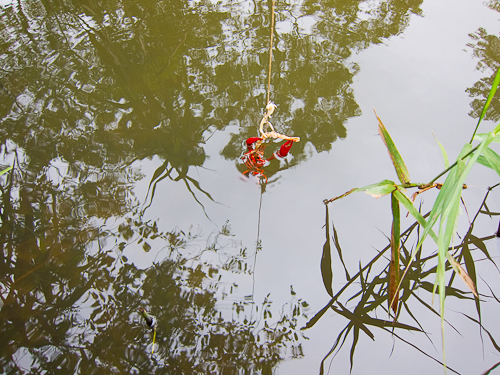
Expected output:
{"points": [[270, 54], [270, 106]]}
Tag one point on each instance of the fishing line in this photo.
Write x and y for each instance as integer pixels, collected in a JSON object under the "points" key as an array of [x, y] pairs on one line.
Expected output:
{"points": [[270, 108], [270, 53], [257, 246]]}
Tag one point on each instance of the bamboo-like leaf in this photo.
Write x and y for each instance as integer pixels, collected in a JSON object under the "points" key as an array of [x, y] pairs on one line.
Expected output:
{"points": [[470, 268], [491, 94], [385, 323], [396, 158], [450, 291], [463, 274], [483, 161], [326, 259], [376, 190], [444, 153], [450, 193], [482, 136], [394, 265], [447, 208], [6, 170], [492, 159], [405, 201], [382, 188]]}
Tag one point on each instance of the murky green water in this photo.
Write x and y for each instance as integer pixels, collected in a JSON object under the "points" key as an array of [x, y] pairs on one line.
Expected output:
{"points": [[125, 123]]}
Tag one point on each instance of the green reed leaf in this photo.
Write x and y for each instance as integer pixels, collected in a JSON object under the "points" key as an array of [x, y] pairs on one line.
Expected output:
{"points": [[481, 137], [6, 170], [405, 201], [491, 94], [396, 158], [490, 159], [394, 265], [375, 190], [380, 189], [444, 153]]}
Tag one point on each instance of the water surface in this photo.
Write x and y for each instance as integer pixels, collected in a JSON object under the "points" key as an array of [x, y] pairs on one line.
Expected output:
{"points": [[126, 122]]}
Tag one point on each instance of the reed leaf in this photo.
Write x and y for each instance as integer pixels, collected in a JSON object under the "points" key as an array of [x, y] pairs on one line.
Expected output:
{"points": [[379, 190], [6, 170], [376, 190], [443, 152], [491, 94], [396, 158], [490, 159], [394, 265], [463, 274]]}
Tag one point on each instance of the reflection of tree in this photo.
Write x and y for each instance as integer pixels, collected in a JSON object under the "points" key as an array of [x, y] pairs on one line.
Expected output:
{"points": [[87, 88], [311, 73], [109, 83], [486, 48], [82, 318], [365, 295]]}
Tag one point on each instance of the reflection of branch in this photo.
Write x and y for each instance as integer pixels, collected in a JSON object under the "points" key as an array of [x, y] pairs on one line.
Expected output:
{"points": [[420, 350], [154, 181], [173, 53], [165, 171]]}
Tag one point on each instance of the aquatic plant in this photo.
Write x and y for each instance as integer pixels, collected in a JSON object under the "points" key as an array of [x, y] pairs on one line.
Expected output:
{"points": [[5, 170], [440, 224]]}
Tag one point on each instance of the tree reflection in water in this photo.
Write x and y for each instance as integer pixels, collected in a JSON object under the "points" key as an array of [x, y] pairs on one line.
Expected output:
{"points": [[485, 47], [75, 311], [88, 88]]}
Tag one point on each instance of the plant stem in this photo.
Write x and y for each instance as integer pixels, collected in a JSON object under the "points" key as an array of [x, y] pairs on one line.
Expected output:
{"points": [[453, 165]]}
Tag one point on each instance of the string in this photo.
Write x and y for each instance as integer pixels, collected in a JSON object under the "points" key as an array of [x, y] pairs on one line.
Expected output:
{"points": [[257, 247], [270, 106], [269, 111], [270, 53]]}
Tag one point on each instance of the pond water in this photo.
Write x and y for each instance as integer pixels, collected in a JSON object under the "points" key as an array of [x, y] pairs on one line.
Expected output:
{"points": [[125, 123]]}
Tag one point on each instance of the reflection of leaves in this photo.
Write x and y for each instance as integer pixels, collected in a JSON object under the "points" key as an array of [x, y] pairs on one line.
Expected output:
{"points": [[326, 259], [49, 320], [368, 291]]}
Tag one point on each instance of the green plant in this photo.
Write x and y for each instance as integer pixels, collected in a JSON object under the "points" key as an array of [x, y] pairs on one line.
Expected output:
{"points": [[5, 170], [440, 224]]}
